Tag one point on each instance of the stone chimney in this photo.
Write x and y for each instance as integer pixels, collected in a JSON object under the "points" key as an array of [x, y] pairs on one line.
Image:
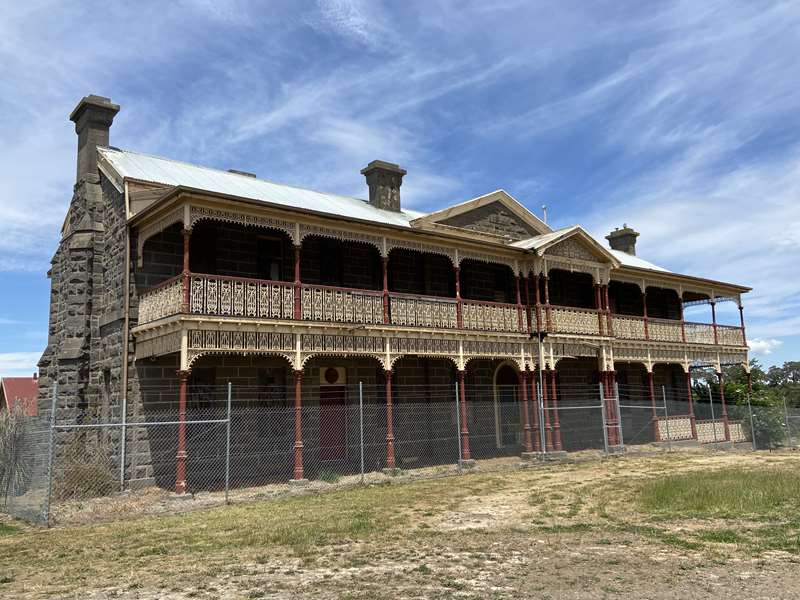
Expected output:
{"points": [[384, 180], [92, 117], [623, 239]]}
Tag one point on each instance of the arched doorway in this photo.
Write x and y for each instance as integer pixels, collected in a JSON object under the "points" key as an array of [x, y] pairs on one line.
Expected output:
{"points": [[507, 407]]}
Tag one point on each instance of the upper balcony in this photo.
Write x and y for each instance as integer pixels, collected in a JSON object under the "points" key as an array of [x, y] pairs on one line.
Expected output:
{"points": [[230, 271]]}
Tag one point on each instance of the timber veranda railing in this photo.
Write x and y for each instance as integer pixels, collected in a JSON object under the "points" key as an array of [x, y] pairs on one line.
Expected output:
{"points": [[224, 296]]}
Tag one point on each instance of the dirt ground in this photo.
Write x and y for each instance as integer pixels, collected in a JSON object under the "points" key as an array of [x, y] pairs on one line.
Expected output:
{"points": [[550, 531]]}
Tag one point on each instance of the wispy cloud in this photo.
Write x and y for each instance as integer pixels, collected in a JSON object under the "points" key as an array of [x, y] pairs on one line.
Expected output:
{"points": [[764, 346], [18, 364]]}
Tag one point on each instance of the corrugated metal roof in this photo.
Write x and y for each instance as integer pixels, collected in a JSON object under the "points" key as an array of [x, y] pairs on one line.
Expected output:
{"points": [[169, 172], [536, 242], [629, 260], [155, 169]]}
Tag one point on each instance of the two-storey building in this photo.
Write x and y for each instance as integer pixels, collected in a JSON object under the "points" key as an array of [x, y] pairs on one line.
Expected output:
{"points": [[173, 278]]}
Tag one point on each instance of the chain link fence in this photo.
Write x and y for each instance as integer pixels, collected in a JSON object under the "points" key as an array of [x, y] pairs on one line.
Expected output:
{"points": [[239, 442]]}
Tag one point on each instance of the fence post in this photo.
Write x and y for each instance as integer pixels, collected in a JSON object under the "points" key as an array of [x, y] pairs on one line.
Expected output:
{"points": [[603, 418], [458, 429], [123, 449], [619, 417], [228, 448], [542, 432], [713, 418], [361, 425], [752, 426], [50, 452], [786, 421], [666, 418]]}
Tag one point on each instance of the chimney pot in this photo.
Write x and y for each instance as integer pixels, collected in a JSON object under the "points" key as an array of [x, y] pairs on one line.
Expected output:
{"points": [[623, 239], [384, 180], [92, 117]]}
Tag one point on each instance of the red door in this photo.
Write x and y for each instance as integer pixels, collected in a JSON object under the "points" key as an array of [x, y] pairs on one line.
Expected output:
{"points": [[332, 422]]}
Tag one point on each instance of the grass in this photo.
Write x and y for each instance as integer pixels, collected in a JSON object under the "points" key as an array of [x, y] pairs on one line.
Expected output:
{"points": [[328, 476], [738, 510], [727, 493]]}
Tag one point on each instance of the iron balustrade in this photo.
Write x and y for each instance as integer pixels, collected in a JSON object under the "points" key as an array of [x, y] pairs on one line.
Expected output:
{"points": [[227, 296], [163, 300], [490, 316], [567, 319], [423, 311], [699, 333]]}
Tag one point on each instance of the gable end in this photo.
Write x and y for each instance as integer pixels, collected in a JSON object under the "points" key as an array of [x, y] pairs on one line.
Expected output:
{"points": [[494, 218]]}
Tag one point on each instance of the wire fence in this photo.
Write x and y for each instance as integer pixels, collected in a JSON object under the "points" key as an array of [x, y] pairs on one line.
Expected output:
{"points": [[233, 441]]}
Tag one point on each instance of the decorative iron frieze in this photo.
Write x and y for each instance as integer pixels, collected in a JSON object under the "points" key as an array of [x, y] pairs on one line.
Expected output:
{"points": [[263, 341], [340, 234], [199, 213]]}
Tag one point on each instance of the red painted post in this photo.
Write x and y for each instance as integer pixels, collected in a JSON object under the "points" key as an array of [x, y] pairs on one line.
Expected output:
{"points": [[656, 433], [298, 290], [538, 301], [725, 422], [598, 306], [683, 322], [692, 419], [390, 460], [459, 307], [180, 457], [385, 263], [537, 446], [608, 310], [548, 430], [187, 235], [526, 425], [556, 425], [465, 453], [547, 310], [527, 298], [741, 320], [298, 425], [611, 412], [714, 320], [520, 324], [644, 304]]}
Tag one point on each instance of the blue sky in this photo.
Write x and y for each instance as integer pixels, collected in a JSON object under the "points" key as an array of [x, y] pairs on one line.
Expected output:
{"points": [[680, 119]]}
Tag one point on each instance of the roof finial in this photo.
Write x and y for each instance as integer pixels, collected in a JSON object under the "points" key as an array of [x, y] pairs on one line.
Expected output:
{"points": [[544, 213]]}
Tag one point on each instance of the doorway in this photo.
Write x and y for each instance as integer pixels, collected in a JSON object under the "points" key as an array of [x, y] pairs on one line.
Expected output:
{"points": [[332, 414]]}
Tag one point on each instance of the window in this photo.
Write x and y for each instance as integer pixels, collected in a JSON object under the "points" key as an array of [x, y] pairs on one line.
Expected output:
{"points": [[270, 258]]}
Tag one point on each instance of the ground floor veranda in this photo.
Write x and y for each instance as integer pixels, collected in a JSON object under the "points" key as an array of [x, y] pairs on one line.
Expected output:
{"points": [[341, 412]]}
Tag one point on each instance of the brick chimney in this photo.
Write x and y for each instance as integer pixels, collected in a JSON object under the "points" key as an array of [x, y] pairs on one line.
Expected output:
{"points": [[623, 239], [384, 180], [92, 117]]}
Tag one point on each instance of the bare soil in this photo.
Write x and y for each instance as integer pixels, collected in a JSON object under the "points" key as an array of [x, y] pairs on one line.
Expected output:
{"points": [[549, 531]]}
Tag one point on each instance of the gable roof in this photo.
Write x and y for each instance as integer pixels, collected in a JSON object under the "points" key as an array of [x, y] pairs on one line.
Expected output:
{"points": [[501, 196], [541, 243], [19, 391], [172, 173]]}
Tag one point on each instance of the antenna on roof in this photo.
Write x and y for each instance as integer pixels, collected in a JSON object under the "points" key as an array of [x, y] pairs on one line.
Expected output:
{"points": [[544, 213]]}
